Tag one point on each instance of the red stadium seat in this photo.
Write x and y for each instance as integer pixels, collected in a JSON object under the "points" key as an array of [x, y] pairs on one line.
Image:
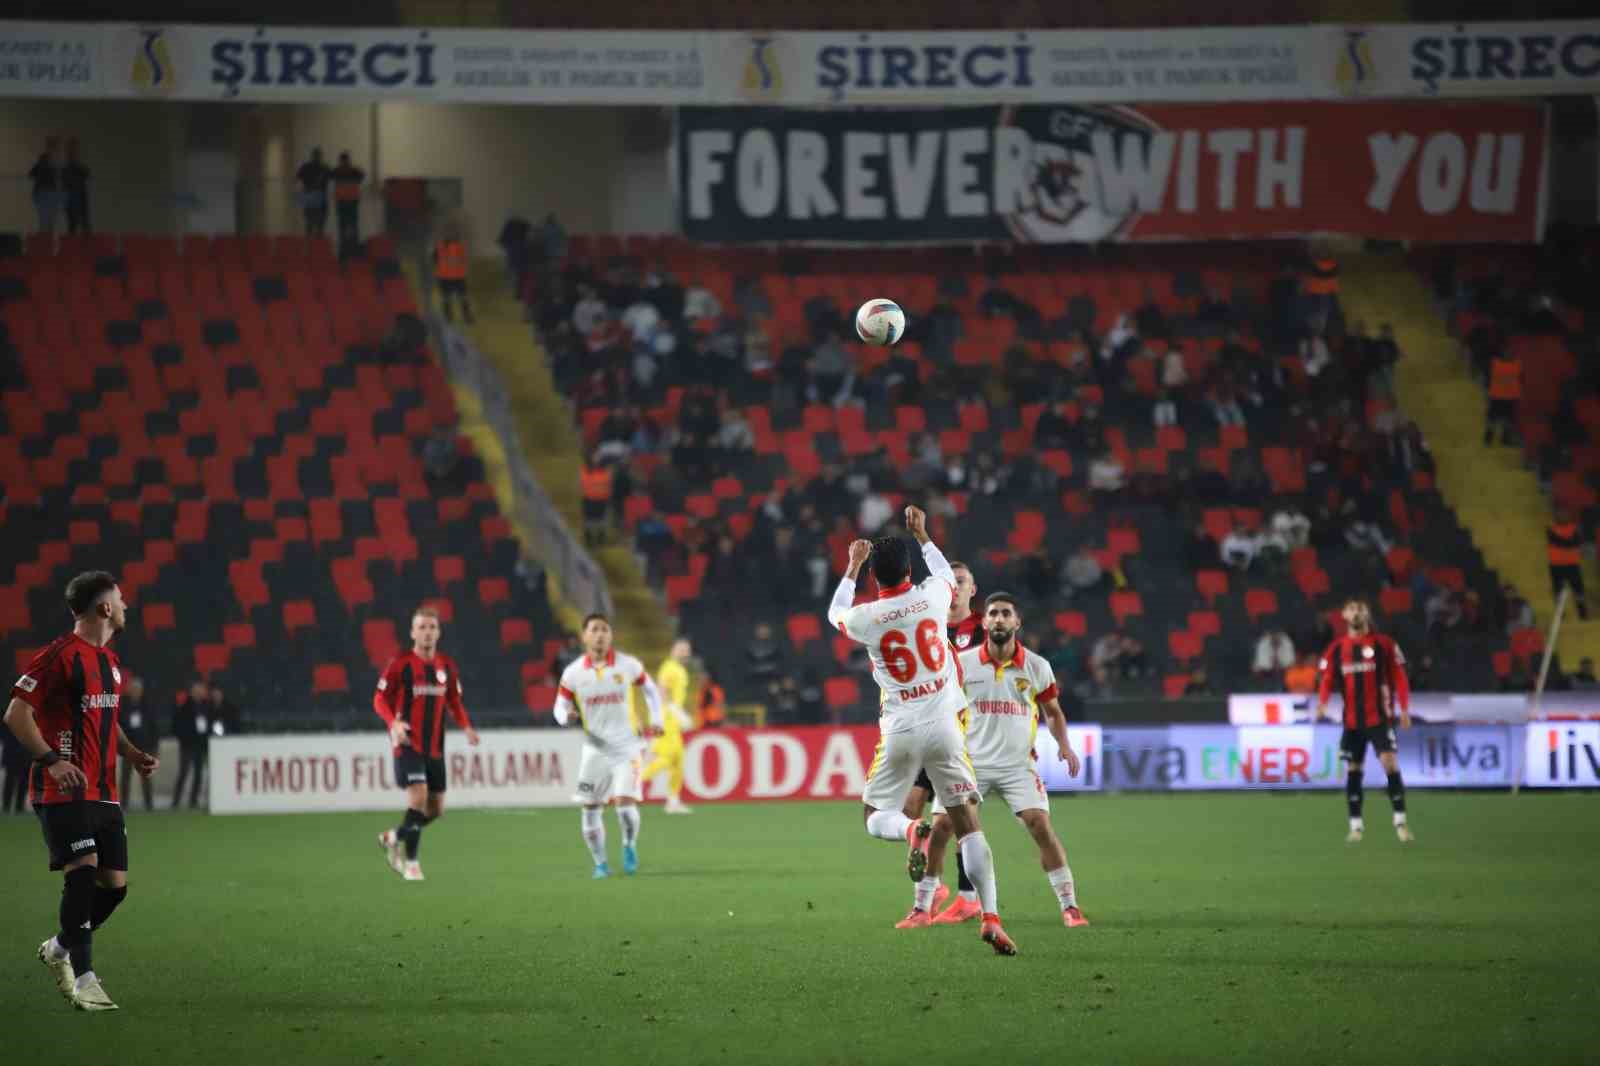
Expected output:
{"points": [[1072, 623], [211, 659], [1174, 686], [515, 632], [297, 615], [1125, 604], [449, 570], [1395, 600], [803, 628], [493, 590], [1184, 645], [158, 617], [329, 678], [1211, 584], [841, 693], [1205, 624], [1260, 603]]}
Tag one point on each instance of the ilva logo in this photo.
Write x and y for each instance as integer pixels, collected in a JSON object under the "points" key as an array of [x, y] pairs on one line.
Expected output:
{"points": [[1573, 757], [151, 69], [1354, 72]]}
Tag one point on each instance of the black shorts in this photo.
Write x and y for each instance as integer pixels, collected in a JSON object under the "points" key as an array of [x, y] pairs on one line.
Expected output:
{"points": [[923, 781], [1353, 742], [453, 285], [73, 830], [413, 768]]}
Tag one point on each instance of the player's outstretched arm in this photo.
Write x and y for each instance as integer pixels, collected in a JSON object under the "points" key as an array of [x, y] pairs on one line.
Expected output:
{"points": [[845, 595], [938, 565], [1055, 720]]}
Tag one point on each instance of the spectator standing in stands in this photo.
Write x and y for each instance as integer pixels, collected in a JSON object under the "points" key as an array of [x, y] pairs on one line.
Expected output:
{"points": [[711, 705], [1274, 654], [595, 481], [16, 764], [1564, 540], [1081, 574], [46, 177], [314, 177], [450, 271], [347, 179], [1505, 394], [1321, 288], [191, 724], [761, 655], [75, 190], [830, 372], [1292, 527], [225, 719], [141, 732]]}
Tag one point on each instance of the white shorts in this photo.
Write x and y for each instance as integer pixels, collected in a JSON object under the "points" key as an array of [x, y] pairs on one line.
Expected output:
{"points": [[939, 747], [1020, 787], [603, 777]]}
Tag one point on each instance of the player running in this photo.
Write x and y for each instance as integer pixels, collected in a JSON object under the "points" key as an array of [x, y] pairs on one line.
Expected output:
{"points": [[673, 677], [919, 708], [1007, 687], [64, 710], [597, 689], [414, 692], [1372, 673], [965, 630]]}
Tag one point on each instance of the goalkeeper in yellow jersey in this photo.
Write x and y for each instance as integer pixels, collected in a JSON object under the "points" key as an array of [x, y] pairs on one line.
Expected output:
{"points": [[673, 677]]}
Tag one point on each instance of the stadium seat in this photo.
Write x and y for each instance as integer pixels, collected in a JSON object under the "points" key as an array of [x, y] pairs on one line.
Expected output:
{"points": [[515, 632], [1260, 603], [1205, 624], [297, 615], [803, 628], [1125, 604], [1184, 646], [1072, 623], [1174, 685], [1211, 584], [449, 570], [329, 678], [841, 693], [493, 590], [158, 617], [1394, 600]]}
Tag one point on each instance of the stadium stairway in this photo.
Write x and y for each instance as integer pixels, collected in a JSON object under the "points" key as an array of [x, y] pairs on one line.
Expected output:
{"points": [[555, 453], [1498, 500]]}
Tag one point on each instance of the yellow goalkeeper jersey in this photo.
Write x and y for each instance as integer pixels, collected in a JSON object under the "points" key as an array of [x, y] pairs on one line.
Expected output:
{"points": [[674, 681]]}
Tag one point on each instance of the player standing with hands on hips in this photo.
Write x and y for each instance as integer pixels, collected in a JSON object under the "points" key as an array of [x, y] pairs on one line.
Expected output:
{"points": [[414, 693], [1372, 674], [65, 710], [921, 706]]}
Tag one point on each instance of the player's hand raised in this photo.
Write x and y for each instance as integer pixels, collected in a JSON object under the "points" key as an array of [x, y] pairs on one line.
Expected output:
{"points": [[146, 763], [917, 523], [66, 775], [860, 551], [1070, 757], [399, 733]]}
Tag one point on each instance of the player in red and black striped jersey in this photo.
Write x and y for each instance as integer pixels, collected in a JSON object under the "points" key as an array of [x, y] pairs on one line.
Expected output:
{"points": [[65, 711], [414, 694], [1371, 672], [964, 630]]}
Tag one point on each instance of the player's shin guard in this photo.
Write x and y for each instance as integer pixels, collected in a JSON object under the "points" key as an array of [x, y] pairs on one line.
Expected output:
{"points": [[1061, 884], [980, 867], [410, 832], [105, 901], [628, 818], [1352, 794], [594, 833], [888, 825], [1397, 797], [77, 918]]}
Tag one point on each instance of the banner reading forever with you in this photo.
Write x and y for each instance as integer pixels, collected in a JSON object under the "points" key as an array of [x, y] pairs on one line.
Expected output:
{"points": [[1401, 171]]}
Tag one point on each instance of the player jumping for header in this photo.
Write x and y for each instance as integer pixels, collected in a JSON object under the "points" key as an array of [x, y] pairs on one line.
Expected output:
{"points": [[1007, 687], [413, 694], [920, 706], [1372, 675], [597, 688]]}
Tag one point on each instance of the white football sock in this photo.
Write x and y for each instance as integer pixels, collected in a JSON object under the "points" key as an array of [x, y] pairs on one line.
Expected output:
{"points": [[888, 825], [925, 890], [979, 861], [970, 895], [628, 818], [1357, 825], [594, 833], [1061, 883], [84, 978], [1399, 817]]}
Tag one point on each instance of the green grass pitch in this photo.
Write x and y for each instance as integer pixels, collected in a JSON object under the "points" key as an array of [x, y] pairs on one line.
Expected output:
{"points": [[1227, 928]]}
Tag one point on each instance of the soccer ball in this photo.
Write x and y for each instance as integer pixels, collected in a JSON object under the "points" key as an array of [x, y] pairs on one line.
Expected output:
{"points": [[880, 322]]}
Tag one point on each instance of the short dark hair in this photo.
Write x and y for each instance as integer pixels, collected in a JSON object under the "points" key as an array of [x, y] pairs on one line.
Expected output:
{"points": [[891, 560], [1001, 596], [85, 590], [593, 615]]}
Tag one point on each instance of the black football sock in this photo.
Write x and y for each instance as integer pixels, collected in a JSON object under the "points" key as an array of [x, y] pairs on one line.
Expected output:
{"points": [[105, 901], [963, 882], [1352, 792], [77, 910], [1397, 793], [410, 832]]}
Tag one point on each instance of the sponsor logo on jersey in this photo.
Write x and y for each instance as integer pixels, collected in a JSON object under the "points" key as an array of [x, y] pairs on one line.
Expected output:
{"points": [[116, 675], [430, 690], [86, 844], [603, 699], [1004, 707]]}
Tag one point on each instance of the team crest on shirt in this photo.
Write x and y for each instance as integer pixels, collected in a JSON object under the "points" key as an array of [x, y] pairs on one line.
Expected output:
{"points": [[1367, 652], [617, 678], [1022, 687], [116, 675], [963, 639], [441, 675]]}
